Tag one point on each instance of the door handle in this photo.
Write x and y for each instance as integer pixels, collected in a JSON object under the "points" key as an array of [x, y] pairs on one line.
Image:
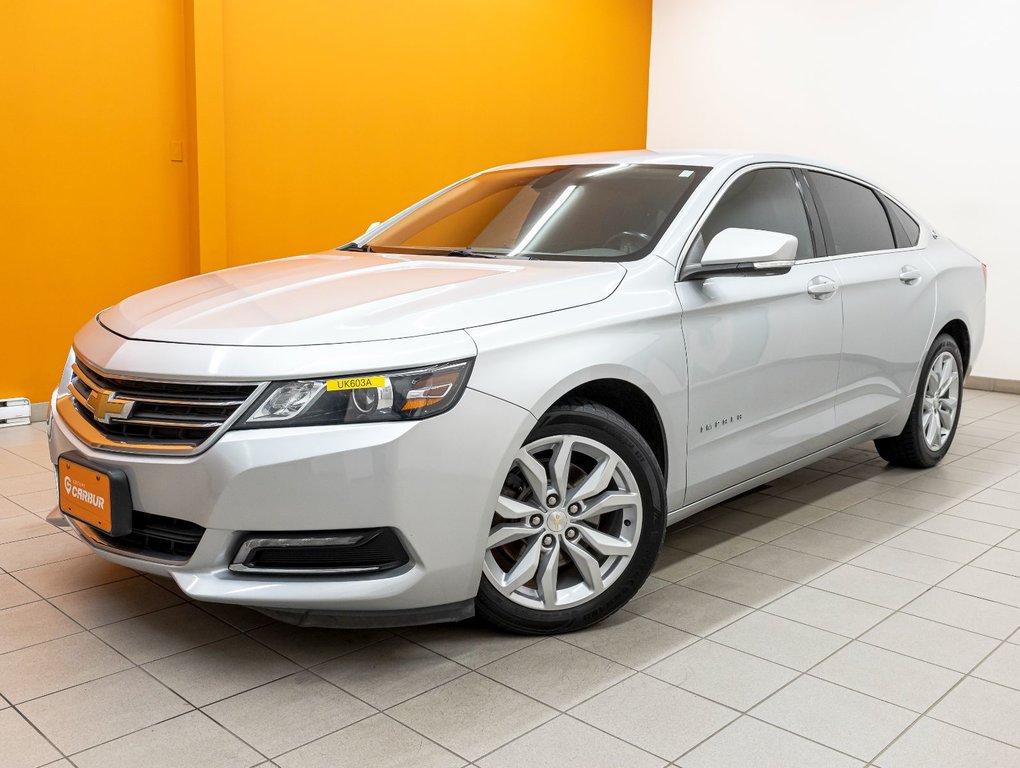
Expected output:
{"points": [[909, 275], [821, 287]]}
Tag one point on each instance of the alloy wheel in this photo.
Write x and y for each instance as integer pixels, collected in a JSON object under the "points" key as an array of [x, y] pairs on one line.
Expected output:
{"points": [[566, 523], [940, 401]]}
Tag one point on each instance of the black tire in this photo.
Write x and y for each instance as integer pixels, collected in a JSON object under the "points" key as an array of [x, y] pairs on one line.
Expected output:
{"points": [[595, 421], [909, 449]]}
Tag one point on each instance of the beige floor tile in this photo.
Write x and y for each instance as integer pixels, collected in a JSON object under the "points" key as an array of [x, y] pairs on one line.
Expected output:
{"points": [[946, 646], [56, 664], [821, 544], [835, 492], [497, 715], [10, 509], [829, 611], [654, 715], [1005, 499], [750, 743], [937, 545], [857, 527], [931, 743], [14, 466], [1011, 542], [837, 717], [72, 575], [651, 584], [244, 619], [905, 564], [40, 550], [116, 601], [986, 708], [189, 740], [889, 512], [32, 482], [869, 586], [578, 674], [13, 592], [1000, 560], [1000, 587], [885, 675], [282, 715], [722, 674], [707, 542], [949, 524], [22, 745], [631, 640], [795, 479], [688, 610], [568, 742], [784, 563], [221, 669], [31, 623], [389, 672], [977, 509], [675, 564], [162, 633], [1002, 667], [104, 709], [757, 527], [308, 646], [878, 471], [379, 742], [966, 612], [25, 526], [787, 510], [37, 501], [730, 582], [471, 643], [779, 640]]}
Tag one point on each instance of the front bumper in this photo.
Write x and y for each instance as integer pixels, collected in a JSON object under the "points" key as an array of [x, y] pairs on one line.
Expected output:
{"points": [[434, 481]]}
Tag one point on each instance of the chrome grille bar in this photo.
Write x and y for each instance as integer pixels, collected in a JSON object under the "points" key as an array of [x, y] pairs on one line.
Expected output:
{"points": [[141, 415]]}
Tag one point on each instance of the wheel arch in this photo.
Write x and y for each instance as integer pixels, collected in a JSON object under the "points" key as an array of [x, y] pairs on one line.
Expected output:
{"points": [[961, 335], [633, 404]]}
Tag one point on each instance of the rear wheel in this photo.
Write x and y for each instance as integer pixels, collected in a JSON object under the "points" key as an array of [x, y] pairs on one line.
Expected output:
{"points": [[936, 411], [577, 526]]}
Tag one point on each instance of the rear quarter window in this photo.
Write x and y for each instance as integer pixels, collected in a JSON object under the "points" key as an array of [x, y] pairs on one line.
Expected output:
{"points": [[852, 215], [905, 228]]}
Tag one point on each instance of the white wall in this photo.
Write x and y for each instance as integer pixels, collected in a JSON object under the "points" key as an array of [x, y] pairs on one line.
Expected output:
{"points": [[922, 96]]}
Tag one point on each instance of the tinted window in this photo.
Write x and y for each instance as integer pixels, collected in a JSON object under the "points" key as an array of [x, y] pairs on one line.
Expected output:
{"points": [[907, 231], [856, 220], [767, 199]]}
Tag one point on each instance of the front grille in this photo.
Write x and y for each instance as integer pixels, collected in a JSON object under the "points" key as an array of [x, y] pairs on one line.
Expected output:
{"points": [[353, 551], [157, 416], [166, 538]]}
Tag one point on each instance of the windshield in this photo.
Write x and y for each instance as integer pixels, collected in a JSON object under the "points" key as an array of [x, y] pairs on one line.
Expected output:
{"points": [[610, 212]]}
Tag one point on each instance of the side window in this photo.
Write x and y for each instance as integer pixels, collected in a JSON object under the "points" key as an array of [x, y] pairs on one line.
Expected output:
{"points": [[856, 219], [906, 230], [768, 199]]}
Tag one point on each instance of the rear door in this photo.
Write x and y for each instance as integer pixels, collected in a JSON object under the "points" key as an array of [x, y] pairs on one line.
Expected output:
{"points": [[888, 298], [763, 351]]}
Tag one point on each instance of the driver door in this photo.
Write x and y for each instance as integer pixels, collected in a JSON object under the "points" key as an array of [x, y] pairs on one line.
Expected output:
{"points": [[762, 351]]}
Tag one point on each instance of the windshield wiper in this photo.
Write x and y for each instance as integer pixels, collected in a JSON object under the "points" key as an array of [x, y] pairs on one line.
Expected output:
{"points": [[468, 252], [353, 246]]}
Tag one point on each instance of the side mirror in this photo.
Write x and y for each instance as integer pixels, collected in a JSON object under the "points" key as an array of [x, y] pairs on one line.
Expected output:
{"points": [[745, 251]]}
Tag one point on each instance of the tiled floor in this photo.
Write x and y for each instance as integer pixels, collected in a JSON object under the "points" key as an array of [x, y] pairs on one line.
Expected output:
{"points": [[851, 614]]}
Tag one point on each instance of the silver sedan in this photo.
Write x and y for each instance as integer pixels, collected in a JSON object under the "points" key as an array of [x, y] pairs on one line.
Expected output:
{"points": [[497, 400]]}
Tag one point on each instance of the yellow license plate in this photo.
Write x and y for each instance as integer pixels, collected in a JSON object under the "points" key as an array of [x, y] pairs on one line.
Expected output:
{"points": [[355, 382], [85, 494]]}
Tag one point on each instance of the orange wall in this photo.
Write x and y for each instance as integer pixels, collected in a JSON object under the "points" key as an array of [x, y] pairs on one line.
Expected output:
{"points": [[303, 122], [91, 207], [338, 114]]}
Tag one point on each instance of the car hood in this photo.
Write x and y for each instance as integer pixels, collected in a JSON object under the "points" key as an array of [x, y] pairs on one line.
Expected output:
{"points": [[337, 297]]}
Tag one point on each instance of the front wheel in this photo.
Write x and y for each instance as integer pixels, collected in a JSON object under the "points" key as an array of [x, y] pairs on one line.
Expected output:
{"points": [[577, 526], [935, 413]]}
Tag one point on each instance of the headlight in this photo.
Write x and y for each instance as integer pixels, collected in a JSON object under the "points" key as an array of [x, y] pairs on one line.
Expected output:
{"points": [[392, 396]]}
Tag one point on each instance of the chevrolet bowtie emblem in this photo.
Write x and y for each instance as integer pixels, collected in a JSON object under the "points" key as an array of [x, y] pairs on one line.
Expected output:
{"points": [[106, 406]]}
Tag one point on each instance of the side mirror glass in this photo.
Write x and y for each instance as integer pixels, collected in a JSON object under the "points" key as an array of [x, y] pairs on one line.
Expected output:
{"points": [[743, 251]]}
